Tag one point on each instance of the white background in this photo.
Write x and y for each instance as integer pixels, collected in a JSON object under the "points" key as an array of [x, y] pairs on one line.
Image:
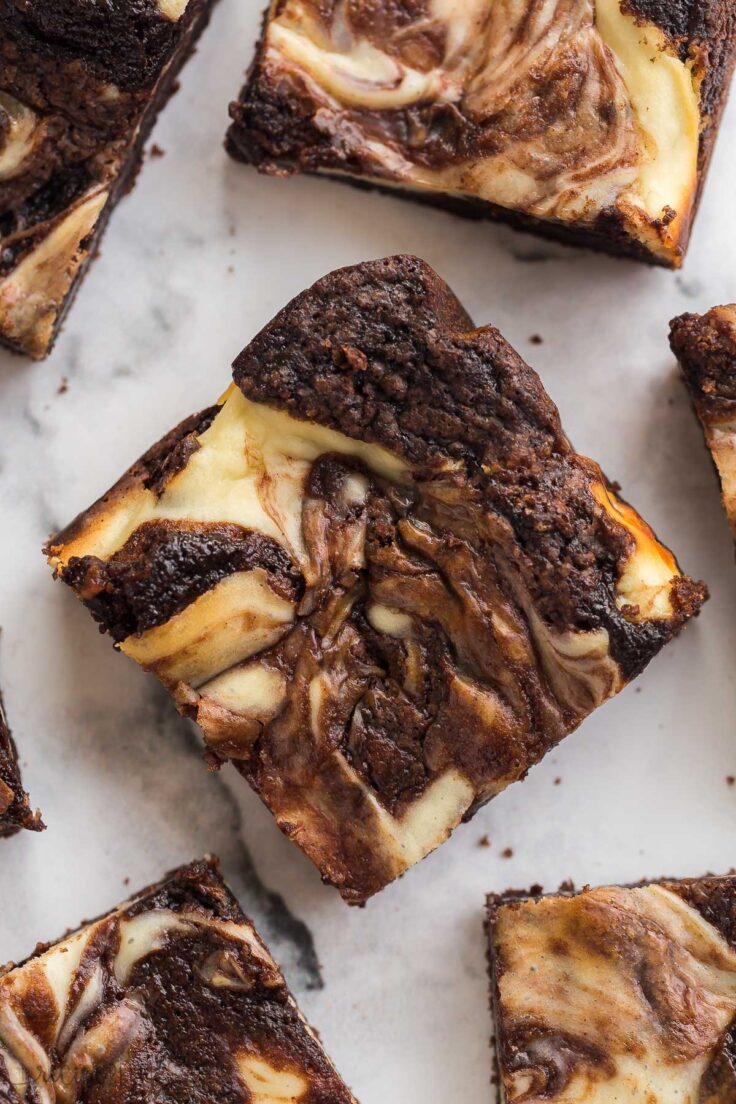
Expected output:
{"points": [[202, 254]]}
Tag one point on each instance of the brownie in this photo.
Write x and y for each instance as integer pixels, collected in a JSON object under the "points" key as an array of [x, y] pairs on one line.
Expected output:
{"points": [[171, 997], [591, 122], [377, 574], [623, 994], [81, 84], [15, 811], [705, 345]]}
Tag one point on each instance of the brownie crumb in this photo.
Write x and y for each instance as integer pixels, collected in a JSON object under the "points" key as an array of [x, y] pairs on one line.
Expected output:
{"points": [[63, 386], [156, 151], [507, 853], [731, 779], [484, 841], [557, 781], [536, 339]]}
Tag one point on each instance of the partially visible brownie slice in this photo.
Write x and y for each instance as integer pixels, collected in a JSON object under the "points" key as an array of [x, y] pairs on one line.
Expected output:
{"points": [[81, 84], [377, 573], [15, 811], [624, 994], [592, 122], [705, 345], [172, 997]]}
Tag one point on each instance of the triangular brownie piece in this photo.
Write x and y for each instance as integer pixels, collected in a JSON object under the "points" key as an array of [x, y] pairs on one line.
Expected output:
{"points": [[172, 996]]}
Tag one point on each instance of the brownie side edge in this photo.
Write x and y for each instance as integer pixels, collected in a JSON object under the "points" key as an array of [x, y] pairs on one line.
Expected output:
{"points": [[18, 814], [706, 353]]}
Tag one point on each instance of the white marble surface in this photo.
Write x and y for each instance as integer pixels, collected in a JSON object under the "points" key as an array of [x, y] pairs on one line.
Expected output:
{"points": [[198, 257]]}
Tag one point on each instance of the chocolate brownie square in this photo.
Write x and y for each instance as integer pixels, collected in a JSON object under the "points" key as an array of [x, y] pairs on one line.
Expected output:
{"points": [[591, 121], [376, 572]]}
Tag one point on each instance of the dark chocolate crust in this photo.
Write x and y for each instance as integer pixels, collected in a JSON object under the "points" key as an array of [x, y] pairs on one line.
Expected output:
{"points": [[192, 1031], [606, 234], [164, 566], [384, 352], [15, 810], [126, 42], [196, 885], [705, 346], [58, 61]]}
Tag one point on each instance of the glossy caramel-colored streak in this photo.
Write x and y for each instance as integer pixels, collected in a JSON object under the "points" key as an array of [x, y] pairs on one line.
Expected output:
{"points": [[644, 587]]}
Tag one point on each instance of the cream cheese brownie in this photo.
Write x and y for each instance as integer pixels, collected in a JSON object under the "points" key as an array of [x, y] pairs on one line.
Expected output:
{"points": [[15, 811], [170, 997], [376, 572], [705, 345], [617, 994], [588, 120], [80, 87]]}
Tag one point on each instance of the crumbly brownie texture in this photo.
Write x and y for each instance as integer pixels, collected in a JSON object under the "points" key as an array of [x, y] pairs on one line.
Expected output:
{"points": [[80, 87], [380, 578], [15, 812], [588, 120], [705, 345], [616, 994], [171, 997]]}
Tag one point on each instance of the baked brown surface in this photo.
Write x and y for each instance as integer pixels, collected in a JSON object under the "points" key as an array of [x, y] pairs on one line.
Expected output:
{"points": [[381, 579], [171, 997], [616, 993], [705, 346], [592, 122], [80, 87], [15, 811]]}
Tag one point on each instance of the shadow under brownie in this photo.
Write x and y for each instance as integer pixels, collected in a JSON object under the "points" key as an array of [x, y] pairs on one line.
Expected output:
{"points": [[377, 573]]}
